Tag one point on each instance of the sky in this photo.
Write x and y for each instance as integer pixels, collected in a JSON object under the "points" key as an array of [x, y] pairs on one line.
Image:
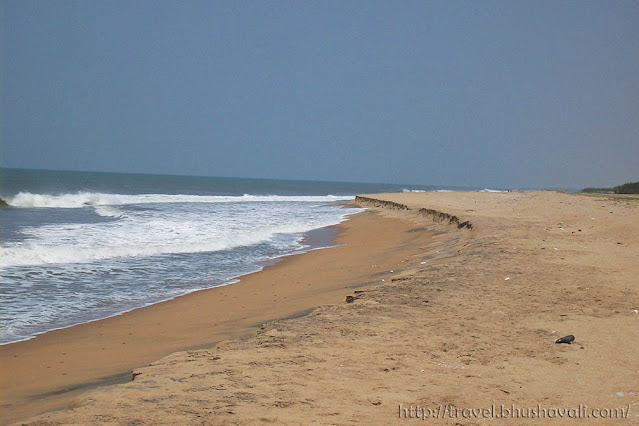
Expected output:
{"points": [[525, 94]]}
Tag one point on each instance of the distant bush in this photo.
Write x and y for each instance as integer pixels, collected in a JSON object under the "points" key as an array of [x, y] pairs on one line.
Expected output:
{"points": [[597, 190], [627, 188]]}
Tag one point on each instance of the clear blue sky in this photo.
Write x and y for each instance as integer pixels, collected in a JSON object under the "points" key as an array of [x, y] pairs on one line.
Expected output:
{"points": [[496, 94]]}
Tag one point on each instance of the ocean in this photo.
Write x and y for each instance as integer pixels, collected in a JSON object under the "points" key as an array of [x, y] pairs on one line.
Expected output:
{"points": [[80, 246]]}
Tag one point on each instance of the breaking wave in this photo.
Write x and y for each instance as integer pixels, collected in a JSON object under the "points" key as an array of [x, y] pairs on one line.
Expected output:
{"points": [[84, 199], [115, 245]]}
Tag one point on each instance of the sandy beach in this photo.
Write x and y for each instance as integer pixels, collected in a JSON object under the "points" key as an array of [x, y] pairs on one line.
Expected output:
{"points": [[457, 301], [51, 370]]}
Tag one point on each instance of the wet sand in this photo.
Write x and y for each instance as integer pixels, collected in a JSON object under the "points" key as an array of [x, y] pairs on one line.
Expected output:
{"points": [[468, 321]]}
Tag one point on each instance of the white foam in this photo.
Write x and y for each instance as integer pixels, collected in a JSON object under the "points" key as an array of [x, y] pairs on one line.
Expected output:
{"points": [[490, 190], [84, 199], [170, 230], [108, 211]]}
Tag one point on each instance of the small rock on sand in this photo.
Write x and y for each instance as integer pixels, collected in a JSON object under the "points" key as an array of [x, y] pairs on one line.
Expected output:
{"points": [[566, 339]]}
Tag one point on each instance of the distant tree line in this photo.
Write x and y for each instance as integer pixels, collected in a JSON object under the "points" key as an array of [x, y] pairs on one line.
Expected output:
{"points": [[626, 188]]}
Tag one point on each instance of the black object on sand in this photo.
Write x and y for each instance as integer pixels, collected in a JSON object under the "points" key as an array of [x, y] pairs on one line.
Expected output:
{"points": [[566, 339]]}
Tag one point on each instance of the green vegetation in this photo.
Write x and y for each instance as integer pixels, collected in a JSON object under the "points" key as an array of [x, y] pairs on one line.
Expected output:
{"points": [[598, 190], [626, 188]]}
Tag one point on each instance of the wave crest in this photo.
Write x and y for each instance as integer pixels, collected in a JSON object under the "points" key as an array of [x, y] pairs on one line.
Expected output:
{"points": [[84, 199]]}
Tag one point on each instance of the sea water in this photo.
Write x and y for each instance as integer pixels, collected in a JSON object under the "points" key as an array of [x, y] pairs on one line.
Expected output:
{"points": [[77, 246]]}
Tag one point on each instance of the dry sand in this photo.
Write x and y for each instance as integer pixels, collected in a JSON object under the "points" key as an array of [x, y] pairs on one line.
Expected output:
{"points": [[468, 319]]}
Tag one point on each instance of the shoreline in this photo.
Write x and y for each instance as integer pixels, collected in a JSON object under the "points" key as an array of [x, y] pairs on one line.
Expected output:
{"points": [[321, 243], [48, 371]]}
